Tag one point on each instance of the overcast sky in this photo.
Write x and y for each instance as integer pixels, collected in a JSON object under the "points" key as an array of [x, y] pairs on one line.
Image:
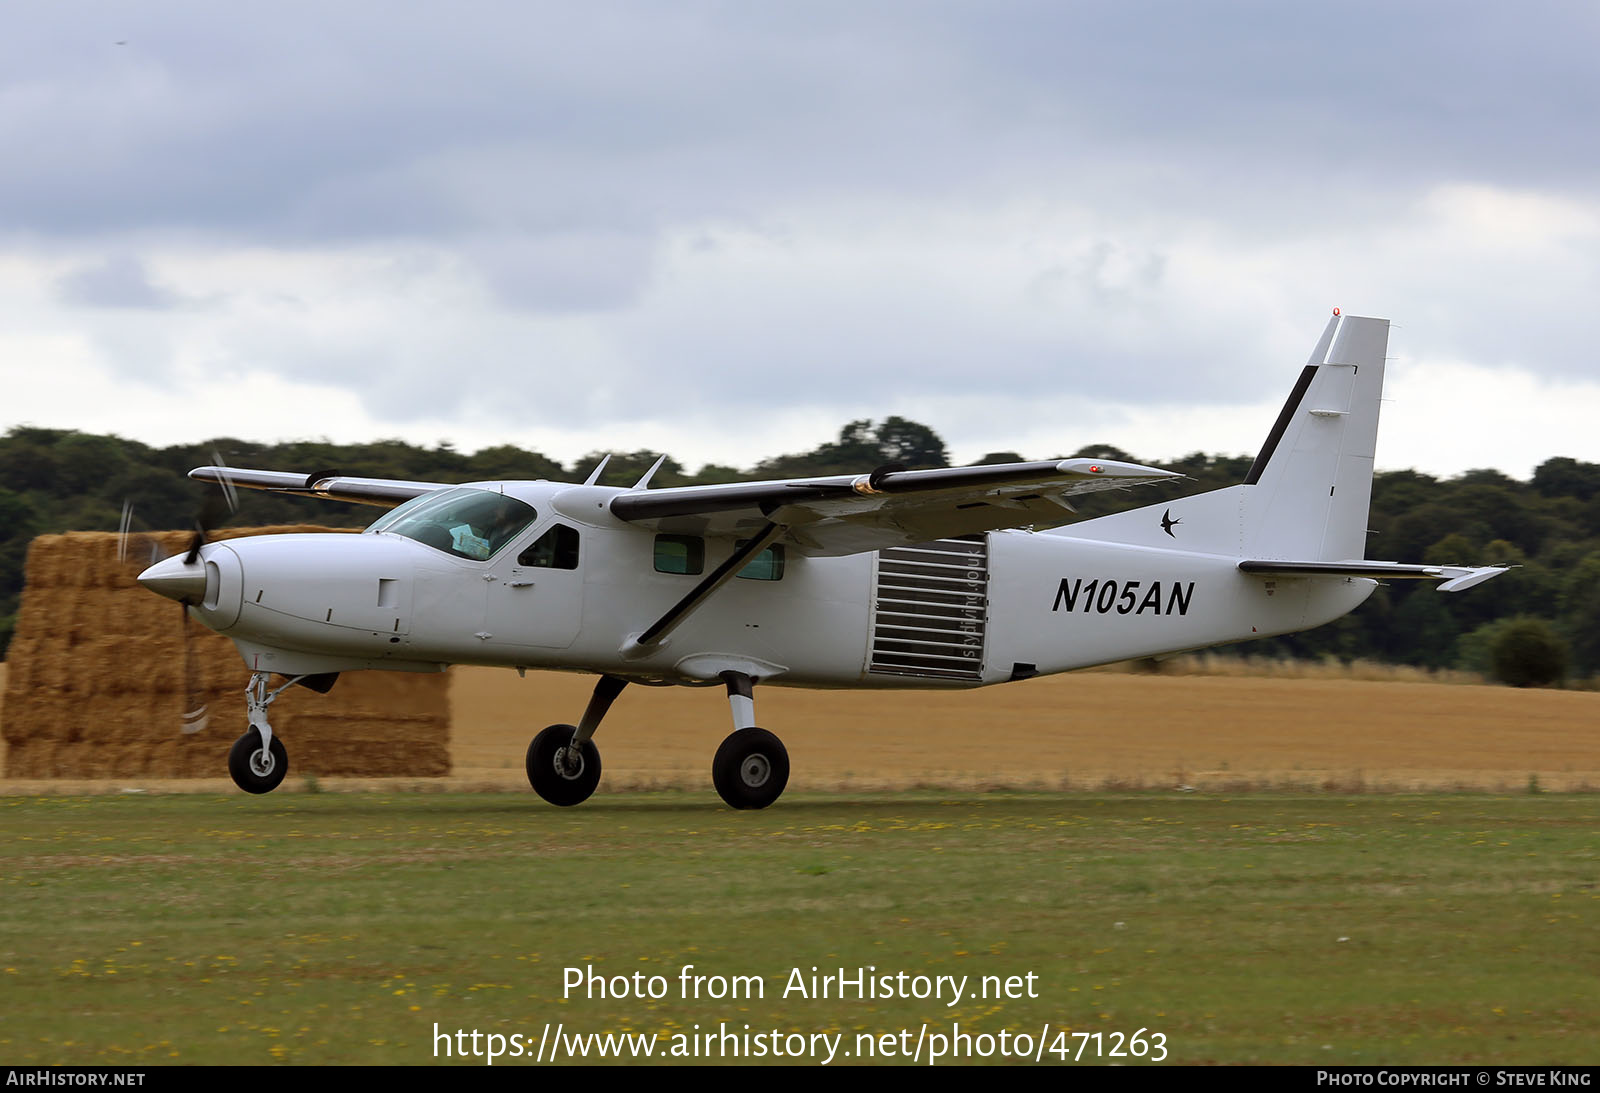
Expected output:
{"points": [[724, 229]]}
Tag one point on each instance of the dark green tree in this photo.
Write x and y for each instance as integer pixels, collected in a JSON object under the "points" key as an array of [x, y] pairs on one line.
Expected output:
{"points": [[1580, 614], [1527, 652], [505, 461], [913, 444], [1424, 630], [1564, 477]]}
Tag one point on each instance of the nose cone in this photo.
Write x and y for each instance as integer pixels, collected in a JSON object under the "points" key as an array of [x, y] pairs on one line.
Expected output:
{"points": [[175, 580]]}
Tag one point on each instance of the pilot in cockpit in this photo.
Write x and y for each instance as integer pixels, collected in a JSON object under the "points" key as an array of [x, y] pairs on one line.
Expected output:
{"points": [[485, 535]]}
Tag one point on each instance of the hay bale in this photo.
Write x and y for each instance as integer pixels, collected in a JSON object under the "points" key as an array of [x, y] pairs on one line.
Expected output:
{"points": [[96, 684]]}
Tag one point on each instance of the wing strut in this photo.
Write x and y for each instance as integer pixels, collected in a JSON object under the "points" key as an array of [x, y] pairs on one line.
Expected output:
{"points": [[653, 635]]}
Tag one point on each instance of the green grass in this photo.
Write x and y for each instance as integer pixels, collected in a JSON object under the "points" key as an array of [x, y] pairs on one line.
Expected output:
{"points": [[341, 927]]}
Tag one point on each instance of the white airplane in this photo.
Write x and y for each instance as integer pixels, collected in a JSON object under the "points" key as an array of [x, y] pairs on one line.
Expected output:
{"points": [[960, 577]]}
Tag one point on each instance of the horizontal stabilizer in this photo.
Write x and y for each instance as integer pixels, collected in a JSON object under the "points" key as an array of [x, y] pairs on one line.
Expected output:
{"points": [[1456, 578]]}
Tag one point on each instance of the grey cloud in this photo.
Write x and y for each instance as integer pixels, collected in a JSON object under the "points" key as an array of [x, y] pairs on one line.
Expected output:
{"points": [[304, 120], [574, 272], [120, 281]]}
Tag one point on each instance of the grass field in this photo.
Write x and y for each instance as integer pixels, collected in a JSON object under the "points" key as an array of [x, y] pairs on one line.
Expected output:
{"points": [[1277, 908], [340, 927]]}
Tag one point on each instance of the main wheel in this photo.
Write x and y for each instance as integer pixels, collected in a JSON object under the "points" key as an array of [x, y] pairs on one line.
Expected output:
{"points": [[552, 773], [256, 769], [751, 768]]}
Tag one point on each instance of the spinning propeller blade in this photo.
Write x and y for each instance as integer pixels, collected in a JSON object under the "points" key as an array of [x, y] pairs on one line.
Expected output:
{"points": [[135, 546], [185, 587], [196, 714], [218, 506]]}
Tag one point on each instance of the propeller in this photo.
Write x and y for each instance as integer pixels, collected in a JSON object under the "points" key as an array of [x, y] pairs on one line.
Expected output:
{"points": [[219, 504], [187, 588]]}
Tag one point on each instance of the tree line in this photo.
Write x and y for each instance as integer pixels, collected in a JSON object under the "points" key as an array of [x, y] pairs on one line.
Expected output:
{"points": [[54, 480]]}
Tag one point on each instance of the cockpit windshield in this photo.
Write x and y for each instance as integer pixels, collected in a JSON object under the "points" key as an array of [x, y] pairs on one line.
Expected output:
{"points": [[468, 523]]}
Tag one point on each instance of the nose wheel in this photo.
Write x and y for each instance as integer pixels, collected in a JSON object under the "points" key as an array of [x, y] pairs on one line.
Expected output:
{"points": [[257, 768]]}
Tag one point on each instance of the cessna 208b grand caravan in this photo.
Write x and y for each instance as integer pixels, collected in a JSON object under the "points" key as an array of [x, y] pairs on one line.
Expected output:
{"points": [[958, 577]]}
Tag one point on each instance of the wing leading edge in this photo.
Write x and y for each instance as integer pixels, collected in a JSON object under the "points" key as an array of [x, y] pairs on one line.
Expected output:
{"points": [[384, 492], [848, 514]]}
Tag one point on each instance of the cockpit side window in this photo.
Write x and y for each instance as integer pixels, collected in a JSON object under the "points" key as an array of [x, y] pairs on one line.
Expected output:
{"points": [[469, 523], [557, 548]]}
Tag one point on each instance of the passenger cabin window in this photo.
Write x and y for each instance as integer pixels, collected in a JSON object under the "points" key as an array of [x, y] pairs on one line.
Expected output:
{"points": [[469, 523], [766, 566], [680, 554], [557, 548]]}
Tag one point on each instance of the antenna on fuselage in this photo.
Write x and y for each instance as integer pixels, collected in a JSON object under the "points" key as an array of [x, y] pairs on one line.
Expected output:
{"points": [[594, 475], [649, 474]]}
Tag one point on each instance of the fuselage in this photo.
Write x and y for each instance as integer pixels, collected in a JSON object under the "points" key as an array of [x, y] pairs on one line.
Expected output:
{"points": [[563, 584]]}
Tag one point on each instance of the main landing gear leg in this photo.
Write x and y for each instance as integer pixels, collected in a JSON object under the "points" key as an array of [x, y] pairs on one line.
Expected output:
{"points": [[751, 767], [257, 759], [563, 763]]}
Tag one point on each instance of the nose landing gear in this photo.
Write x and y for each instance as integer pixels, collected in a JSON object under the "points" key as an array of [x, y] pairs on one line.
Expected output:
{"points": [[258, 760]]}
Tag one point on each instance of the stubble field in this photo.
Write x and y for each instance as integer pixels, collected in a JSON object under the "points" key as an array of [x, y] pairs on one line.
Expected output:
{"points": [[1088, 730]]}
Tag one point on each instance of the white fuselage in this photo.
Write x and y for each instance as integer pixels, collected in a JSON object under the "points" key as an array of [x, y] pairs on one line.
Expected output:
{"points": [[965, 612]]}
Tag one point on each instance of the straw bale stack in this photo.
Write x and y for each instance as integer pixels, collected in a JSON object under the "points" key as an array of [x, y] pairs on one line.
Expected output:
{"points": [[95, 683]]}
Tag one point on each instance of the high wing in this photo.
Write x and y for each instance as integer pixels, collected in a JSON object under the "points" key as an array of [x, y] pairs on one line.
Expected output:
{"points": [[829, 515], [384, 492], [848, 514]]}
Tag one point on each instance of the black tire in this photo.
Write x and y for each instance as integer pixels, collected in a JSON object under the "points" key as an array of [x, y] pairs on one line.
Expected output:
{"points": [[750, 769], [552, 780], [256, 769]]}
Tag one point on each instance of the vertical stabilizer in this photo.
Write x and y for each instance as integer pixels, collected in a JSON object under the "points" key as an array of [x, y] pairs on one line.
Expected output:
{"points": [[1307, 493]]}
